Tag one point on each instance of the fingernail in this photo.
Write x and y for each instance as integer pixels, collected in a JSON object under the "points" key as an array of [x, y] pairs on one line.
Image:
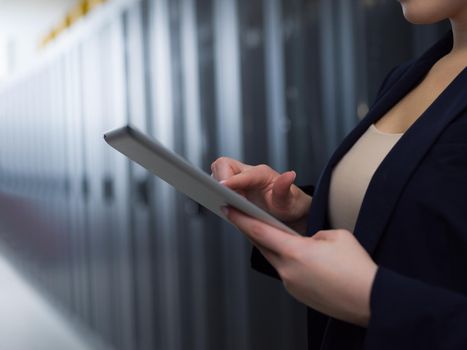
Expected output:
{"points": [[225, 210], [222, 182]]}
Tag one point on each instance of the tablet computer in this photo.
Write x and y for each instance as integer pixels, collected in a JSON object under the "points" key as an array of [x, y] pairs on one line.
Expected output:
{"points": [[184, 176]]}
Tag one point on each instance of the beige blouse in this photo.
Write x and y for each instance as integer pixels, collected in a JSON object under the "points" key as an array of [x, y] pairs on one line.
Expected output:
{"points": [[351, 176]]}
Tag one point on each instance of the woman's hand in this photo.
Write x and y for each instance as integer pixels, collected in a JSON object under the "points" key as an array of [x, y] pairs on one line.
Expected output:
{"points": [[330, 271], [274, 192]]}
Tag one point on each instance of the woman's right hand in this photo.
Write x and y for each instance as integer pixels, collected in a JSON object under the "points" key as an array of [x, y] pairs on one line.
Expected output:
{"points": [[274, 192]]}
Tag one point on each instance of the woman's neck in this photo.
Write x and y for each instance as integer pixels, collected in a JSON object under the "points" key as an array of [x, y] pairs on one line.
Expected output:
{"points": [[459, 31]]}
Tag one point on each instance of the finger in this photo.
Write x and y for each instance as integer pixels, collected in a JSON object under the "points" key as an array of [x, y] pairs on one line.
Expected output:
{"points": [[281, 189], [224, 168], [251, 178], [265, 235], [320, 235], [264, 251], [331, 235]]}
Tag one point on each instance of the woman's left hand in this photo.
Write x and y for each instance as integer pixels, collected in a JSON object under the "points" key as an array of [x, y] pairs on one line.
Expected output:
{"points": [[330, 271]]}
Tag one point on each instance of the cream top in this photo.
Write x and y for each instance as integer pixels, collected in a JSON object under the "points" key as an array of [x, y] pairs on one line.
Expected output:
{"points": [[351, 176]]}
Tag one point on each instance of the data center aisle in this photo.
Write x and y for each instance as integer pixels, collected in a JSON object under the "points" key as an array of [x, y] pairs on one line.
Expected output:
{"points": [[29, 322]]}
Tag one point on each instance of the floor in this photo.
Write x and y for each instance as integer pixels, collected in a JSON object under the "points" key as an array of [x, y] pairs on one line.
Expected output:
{"points": [[29, 322]]}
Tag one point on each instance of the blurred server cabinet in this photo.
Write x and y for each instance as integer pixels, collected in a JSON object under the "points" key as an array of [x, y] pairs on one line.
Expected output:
{"points": [[137, 74], [272, 81]]}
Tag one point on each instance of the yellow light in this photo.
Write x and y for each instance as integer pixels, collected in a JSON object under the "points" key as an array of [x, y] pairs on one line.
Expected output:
{"points": [[80, 10]]}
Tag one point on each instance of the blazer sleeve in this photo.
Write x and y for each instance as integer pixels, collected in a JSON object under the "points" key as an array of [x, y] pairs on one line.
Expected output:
{"points": [[410, 314], [259, 262]]}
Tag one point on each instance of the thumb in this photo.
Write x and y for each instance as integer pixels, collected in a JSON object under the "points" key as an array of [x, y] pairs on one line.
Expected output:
{"points": [[281, 188]]}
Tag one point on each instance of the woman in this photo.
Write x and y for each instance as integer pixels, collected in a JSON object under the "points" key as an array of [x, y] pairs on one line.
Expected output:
{"points": [[383, 261]]}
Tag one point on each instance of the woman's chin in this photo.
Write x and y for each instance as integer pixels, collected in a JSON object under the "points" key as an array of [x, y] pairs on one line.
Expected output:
{"points": [[418, 17], [430, 11]]}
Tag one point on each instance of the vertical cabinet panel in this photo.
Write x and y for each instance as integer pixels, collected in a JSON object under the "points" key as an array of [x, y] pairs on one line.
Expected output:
{"points": [[164, 225], [194, 241], [77, 192], [274, 85], [137, 97], [100, 240], [229, 127], [116, 179], [307, 89], [214, 313]]}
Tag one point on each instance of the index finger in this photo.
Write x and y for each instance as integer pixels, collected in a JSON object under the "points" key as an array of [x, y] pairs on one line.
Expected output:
{"points": [[224, 168], [244, 180]]}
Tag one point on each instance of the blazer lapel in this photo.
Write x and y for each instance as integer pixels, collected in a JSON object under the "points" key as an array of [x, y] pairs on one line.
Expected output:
{"points": [[393, 173], [318, 213]]}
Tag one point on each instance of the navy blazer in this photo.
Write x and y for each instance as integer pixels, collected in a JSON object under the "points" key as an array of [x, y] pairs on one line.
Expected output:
{"points": [[413, 223]]}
